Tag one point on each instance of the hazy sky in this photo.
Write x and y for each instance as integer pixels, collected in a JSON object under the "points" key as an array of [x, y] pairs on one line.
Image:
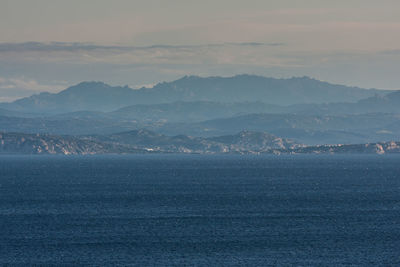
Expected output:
{"points": [[354, 42]]}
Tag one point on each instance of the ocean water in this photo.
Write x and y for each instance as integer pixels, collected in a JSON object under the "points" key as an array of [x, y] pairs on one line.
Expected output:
{"points": [[174, 210]]}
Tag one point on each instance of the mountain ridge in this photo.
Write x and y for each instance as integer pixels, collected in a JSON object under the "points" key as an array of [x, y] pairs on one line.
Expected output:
{"points": [[20, 143], [98, 96], [139, 141]]}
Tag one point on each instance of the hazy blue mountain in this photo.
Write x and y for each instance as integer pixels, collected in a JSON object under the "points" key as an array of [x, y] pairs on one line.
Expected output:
{"points": [[204, 110], [307, 129], [389, 103], [67, 126], [10, 113], [183, 108], [257, 88], [97, 96], [81, 115], [192, 111], [304, 128], [168, 112]]}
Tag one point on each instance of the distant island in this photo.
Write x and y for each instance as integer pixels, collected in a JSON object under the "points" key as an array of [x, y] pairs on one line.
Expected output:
{"points": [[144, 142], [245, 114]]}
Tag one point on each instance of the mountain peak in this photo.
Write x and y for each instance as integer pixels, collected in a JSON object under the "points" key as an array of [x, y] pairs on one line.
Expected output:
{"points": [[303, 78], [92, 83], [87, 85], [190, 77], [96, 89]]}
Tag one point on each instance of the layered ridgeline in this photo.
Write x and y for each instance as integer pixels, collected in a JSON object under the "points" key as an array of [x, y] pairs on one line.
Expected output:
{"points": [[305, 110], [387, 103], [143, 141], [384, 102], [303, 128], [97, 96]]}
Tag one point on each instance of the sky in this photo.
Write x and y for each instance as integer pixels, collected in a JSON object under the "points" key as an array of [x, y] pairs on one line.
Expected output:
{"points": [[48, 45]]}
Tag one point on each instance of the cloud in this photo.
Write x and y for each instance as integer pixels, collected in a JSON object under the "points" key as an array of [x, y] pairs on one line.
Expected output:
{"points": [[25, 84], [53, 46], [14, 88], [76, 47], [273, 54], [83, 53]]}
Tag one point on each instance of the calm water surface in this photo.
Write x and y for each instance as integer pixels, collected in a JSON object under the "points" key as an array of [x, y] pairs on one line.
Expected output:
{"points": [[200, 210]]}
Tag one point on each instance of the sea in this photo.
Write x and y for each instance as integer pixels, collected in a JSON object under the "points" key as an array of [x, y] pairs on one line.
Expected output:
{"points": [[200, 210]]}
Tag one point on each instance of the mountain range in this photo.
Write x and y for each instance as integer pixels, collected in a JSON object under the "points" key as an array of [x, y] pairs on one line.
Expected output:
{"points": [[141, 141], [144, 142], [192, 111], [98, 96]]}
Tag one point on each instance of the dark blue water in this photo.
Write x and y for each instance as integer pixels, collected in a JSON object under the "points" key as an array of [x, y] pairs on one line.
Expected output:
{"points": [[200, 210]]}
